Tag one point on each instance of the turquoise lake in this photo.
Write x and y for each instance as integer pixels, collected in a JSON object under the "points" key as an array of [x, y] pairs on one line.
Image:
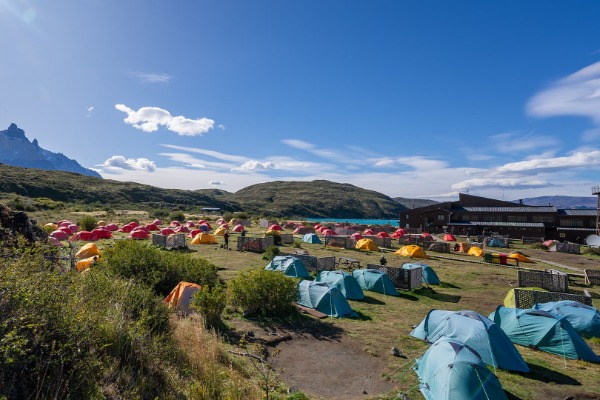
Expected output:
{"points": [[356, 221]]}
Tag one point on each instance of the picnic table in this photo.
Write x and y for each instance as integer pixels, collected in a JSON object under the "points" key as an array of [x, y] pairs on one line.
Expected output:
{"points": [[349, 263]]}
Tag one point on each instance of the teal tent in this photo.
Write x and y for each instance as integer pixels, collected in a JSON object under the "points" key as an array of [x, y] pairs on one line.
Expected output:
{"points": [[495, 243], [585, 319], [344, 281], [311, 238], [289, 265], [325, 298], [474, 330], [375, 281], [543, 331], [429, 275], [450, 370]]}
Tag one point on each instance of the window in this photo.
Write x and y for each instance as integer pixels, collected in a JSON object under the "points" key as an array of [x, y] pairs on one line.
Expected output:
{"points": [[407, 216], [571, 222], [441, 218], [492, 218], [542, 218], [516, 218]]}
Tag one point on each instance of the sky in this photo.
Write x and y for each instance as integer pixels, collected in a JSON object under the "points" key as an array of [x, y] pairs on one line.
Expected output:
{"points": [[415, 99]]}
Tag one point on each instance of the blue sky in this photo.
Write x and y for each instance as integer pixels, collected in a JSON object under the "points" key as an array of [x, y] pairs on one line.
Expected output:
{"points": [[409, 98]]}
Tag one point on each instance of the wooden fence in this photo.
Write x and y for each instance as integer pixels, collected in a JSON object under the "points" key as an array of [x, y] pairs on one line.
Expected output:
{"points": [[175, 241], [554, 282], [258, 245], [406, 279], [527, 298]]}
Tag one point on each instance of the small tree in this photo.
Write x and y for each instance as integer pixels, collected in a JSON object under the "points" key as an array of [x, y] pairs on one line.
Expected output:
{"points": [[88, 223], [177, 216], [210, 303]]}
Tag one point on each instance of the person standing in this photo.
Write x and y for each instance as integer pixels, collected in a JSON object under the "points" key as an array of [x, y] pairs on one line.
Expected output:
{"points": [[226, 237]]}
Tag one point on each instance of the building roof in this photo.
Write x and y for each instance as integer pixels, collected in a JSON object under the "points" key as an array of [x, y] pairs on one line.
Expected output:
{"points": [[523, 209], [513, 224], [580, 212], [571, 228]]}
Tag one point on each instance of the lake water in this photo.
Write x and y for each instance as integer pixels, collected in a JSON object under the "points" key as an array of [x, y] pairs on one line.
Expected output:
{"points": [[356, 221]]}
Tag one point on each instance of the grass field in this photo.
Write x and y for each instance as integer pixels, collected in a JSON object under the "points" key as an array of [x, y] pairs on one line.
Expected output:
{"points": [[385, 321]]}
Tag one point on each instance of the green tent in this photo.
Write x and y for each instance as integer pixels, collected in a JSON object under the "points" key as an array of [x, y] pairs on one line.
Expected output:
{"points": [[289, 265], [375, 281], [450, 370], [325, 298], [429, 275], [344, 281], [543, 331]]}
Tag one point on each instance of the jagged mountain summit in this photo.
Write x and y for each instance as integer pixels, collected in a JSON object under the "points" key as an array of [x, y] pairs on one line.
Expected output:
{"points": [[17, 150]]}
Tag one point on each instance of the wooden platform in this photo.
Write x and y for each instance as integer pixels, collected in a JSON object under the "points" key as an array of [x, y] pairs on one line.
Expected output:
{"points": [[311, 311]]}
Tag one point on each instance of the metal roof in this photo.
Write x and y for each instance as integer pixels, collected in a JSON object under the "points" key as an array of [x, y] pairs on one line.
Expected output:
{"points": [[581, 228], [513, 224], [581, 212], [524, 209]]}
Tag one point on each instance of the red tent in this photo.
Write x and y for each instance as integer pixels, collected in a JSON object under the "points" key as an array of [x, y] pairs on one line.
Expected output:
{"points": [[63, 222], [112, 227], [275, 227], [190, 224], [383, 235], [60, 235], [202, 221], [194, 232], [73, 228], [426, 235], [207, 225], [238, 228], [134, 224], [448, 237], [141, 228], [86, 236], [369, 232], [126, 228], [152, 227], [102, 233], [157, 222], [175, 223], [356, 236], [182, 229], [65, 230], [166, 231], [329, 232], [219, 221], [225, 226], [141, 234], [317, 226]]}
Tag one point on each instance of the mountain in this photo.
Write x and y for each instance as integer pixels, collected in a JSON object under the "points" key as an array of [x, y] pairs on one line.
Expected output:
{"points": [[16, 149], [565, 202], [317, 199], [414, 203]]}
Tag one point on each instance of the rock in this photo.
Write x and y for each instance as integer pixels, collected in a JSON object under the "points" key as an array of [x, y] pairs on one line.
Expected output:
{"points": [[395, 352], [292, 389]]}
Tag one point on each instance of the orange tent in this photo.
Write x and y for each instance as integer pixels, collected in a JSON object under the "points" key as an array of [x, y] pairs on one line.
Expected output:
{"points": [[181, 296]]}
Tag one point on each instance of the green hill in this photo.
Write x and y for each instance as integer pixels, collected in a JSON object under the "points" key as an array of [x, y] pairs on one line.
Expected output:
{"points": [[277, 199]]}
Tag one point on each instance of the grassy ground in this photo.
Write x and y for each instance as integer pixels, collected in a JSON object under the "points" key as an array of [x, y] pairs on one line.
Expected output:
{"points": [[386, 321]]}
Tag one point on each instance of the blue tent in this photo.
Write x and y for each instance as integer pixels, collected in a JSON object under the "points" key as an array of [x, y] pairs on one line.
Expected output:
{"points": [[495, 243], [543, 331], [325, 298], [475, 331], [289, 265], [375, 281], [344, 281], [450, 370], [585, 319], [311, 238], [429, 275]]}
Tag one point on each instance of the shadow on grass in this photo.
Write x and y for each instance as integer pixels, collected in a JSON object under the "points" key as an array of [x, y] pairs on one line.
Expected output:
{"points": [[362, 316], [406, 296], [372, 300], [582, 293], [432, 294], [448, 285], [543, 374], [511, 396]]}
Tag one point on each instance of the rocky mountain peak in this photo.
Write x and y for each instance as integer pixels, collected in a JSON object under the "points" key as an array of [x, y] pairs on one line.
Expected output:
{"points": [[14, 132]]}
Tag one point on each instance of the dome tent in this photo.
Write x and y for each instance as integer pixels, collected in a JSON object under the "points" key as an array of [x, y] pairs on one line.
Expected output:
{"points": [[311, 238], [204, 238], [585, 319], [181, 296], [289, 265], [367, 245], [411, 250], [375, 281], [325, 298], [344, 281], [543, 331], [429, 275], [451, 370], [475, 330]]}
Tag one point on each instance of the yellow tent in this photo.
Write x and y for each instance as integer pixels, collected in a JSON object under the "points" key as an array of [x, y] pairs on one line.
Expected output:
{"points": [[476, 251], [51, 225], [366, 244], [87, 251], [181, 296], [411, 250], [101, 223], [520, 257], [86, 263], [204, 238], [509, 300], [220, 231]]}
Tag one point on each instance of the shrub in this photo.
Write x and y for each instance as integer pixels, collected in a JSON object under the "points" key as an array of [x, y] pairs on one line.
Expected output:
{"points": [[264, 293], [276, 238], [271, 252], [210, 303], [177, 216], [297, 244], [160, 213], [88, 223], [161, 270]]}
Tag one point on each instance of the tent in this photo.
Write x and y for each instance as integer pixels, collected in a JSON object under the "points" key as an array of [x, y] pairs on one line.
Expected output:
{"points": [[344, 281], [175, 223], [289, 265], [181, 296], [65, 230], [495, 243], [356, 236], [375, 281], [311, 238], [329, 232], [383, 235], [325, 298], [100, 223], [87, 251], [399, 233], [520, 257], [411, 250], [204, 238], [509, 300], [86, 263], [85, 236], [52, 241], [585, 319], [127, 228], [429, 275], [275, 227], [220, 231], [167, 231], [366, 244], [139, 234], [543, 331], [369, 232], [224, 225], [474, 330], [238, 228], [427, 236], [157, 222], [110, 227], [194, 232], [448, 237], [51, 225], [182, 229], [152, 227], [451, 370], [475, 251], [60, 235]]}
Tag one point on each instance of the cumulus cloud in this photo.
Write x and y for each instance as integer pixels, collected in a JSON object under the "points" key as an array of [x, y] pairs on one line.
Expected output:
{"points": [[151, 77], [256, 165], [116, 163], [491, 183], [216, 183], [148, 119], [578, 94], [575, 160]]}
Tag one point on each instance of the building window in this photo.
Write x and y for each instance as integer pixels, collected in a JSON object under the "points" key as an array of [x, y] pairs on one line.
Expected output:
{"points": [[571, 222], [516, 218], [441, 218], [542, 218], [492, 218], [407, 216]]}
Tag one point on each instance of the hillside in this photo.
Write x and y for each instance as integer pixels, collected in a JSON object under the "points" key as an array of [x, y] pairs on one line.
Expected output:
{"points": [[317, 199], [563, 201]]}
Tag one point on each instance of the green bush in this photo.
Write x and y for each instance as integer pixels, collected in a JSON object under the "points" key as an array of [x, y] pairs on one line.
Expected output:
{"points": [[177, 216], [161, 270], [87, 223], [297, 244], [276, 238], [160, 213], [210, 303], [264, 293], [271, 252]]}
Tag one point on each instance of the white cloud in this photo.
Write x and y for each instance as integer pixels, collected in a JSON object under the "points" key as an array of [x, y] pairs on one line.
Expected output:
{"points": [[489, 183], [148, 119], [216, 183], [210, 153], [191, 161], [511, 142], [221, 127], [152, 77], [577, 94], [311, 148], [575, 160], [254, 165], [116, 163]]}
